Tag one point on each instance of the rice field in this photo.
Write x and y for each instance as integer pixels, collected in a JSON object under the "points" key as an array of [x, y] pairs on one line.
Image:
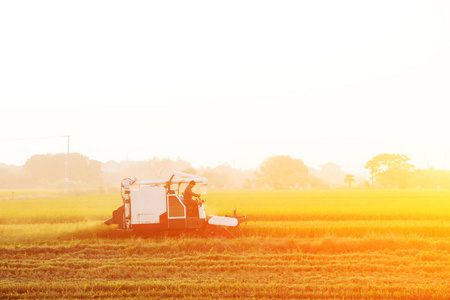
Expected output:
{"points": [[27, 193], [324, 244]]}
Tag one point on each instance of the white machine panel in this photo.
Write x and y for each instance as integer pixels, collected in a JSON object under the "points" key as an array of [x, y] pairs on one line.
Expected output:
{"points": [[147, 204], [223, 221], [201, 212]]}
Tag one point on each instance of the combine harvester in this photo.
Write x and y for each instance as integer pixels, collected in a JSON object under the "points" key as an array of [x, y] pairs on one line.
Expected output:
{"points": [[158, 206]]}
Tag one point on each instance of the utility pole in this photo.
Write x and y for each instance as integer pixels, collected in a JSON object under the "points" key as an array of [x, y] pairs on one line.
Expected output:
{"points": [[66, 179]]}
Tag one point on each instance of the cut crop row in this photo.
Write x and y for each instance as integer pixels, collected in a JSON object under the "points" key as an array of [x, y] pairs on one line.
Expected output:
{"points": [[173, 290]]}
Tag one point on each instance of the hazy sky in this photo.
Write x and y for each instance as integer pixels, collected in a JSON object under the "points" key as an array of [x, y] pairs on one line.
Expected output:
{"points": [[226, 81]]}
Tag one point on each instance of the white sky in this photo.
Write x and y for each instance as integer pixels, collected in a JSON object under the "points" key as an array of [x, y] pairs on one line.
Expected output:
{"points": [[228, 81]]}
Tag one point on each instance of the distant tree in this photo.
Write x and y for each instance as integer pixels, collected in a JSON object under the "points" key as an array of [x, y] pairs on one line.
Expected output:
{"points": [[159, 167], [162, 168], [226, 177], [349, 179], [219, 177], [316, 182], [332, 174], [431, 178], [11, 176], [372, 166], [283, 172], [48, 170], [247, 184], [391, 170], [190, 171], [155, 168]]}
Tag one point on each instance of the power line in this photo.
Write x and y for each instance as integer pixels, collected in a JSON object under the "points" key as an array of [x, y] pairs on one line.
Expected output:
{"points": [[31, 138]]}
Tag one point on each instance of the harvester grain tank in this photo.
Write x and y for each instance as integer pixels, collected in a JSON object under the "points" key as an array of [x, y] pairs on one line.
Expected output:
{"points": [[159, 206]]}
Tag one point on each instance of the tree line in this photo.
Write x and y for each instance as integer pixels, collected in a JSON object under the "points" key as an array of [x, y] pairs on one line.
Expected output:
{"points": [[396, 171], [277, 172], [386, 171]]}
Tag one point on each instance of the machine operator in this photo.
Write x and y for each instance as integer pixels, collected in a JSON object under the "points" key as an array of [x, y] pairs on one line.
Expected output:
{"points": [[192, 204]]}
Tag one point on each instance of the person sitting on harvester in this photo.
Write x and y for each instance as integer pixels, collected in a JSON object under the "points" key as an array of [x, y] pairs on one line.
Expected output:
{"points": [[192, 204]]}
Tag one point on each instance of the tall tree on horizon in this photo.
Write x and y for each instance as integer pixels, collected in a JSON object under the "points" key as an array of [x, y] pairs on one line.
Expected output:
{"points": [[390, 170], [349, 179]]}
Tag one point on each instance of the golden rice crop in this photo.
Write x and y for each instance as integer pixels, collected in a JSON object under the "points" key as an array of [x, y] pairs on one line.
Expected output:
{"points": [[333, 204], [341, 244]]}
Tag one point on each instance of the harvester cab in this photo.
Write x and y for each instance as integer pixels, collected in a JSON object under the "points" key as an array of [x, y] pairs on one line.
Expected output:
{"points": [[159, 206]]}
